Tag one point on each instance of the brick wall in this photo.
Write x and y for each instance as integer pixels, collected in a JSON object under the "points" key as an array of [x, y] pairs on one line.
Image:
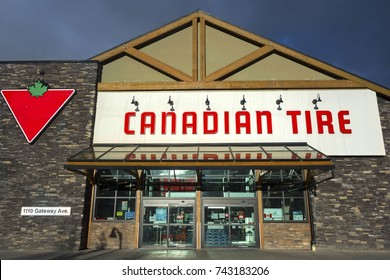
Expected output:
{"points": [[33, 174], [101, 235], [352, 210], [287, 236]]}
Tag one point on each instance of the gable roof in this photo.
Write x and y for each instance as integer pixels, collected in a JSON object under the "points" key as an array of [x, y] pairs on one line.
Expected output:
{"points": [[199, 77]]}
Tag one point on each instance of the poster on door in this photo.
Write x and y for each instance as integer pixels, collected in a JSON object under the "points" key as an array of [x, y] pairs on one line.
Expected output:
{"points": [[161, 215]]}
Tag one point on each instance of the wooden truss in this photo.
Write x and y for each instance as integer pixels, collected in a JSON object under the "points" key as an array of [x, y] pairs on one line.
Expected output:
{"points": [[199, 79]]}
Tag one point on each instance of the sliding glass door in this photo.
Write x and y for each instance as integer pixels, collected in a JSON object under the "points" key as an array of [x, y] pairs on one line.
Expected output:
{"points": [[169, 224], [230, 225]]}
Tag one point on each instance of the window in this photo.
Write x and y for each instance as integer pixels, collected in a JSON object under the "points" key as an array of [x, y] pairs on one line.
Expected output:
{"points": [[228, 183], [284, 206], [115, 195], [170, 183], [283, 196]]}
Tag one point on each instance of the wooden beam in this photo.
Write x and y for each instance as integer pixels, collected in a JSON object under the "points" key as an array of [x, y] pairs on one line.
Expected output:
{"points": [[261, 217], [327, 164], [202, 42], [240, 63], [229, 85], [327, 68], [236, 31], [138, 209], [200, 67], [195, 49], [159, 65], [299, 57], [160, 32], [198, 219], [163, 31], [92, 199]]}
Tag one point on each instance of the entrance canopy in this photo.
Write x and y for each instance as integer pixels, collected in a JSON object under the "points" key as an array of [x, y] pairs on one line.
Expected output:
{"points": [[265, 156]]}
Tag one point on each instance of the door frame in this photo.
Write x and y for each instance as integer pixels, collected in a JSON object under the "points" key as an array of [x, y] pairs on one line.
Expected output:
{"points": [[230, 202], [168, 202]]}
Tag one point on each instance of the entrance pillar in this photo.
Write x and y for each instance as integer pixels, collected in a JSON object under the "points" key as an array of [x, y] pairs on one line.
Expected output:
{"points": [[138, 208], [92, 193], [198, 225], [259, 194]]}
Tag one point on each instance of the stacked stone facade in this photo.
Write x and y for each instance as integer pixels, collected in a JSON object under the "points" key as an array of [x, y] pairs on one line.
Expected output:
{"points": [[352, 210], [33, 174]]}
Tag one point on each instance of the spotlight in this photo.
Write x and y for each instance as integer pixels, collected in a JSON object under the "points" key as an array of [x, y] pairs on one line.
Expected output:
{"points": [[316, 100], [207, 102], [136, 103], [278, 101], [242, 102], [170, 102]]}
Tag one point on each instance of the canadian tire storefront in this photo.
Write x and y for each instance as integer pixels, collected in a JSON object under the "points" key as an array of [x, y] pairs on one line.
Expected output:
{"points": [[233, 141]]}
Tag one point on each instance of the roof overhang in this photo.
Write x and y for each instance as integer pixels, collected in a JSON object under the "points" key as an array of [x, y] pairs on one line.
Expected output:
{"points": [[264, 156]]}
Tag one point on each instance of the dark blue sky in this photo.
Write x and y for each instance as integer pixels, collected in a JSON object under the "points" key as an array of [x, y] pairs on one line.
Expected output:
{"points": [[350, 34]]}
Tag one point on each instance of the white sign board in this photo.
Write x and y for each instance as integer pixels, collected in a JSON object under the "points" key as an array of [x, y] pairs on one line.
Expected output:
{"points": [[345, 122], [45, 211]]}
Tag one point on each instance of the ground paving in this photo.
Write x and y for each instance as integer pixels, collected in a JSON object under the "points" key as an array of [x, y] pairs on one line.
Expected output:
{"points": [[204, 254]]}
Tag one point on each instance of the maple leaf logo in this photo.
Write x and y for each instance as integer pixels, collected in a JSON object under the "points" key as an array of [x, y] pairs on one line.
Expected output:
{"points": [[38, 88]]}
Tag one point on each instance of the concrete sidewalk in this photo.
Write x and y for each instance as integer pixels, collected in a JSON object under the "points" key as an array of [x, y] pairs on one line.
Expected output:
{"points": [[204, 254]]}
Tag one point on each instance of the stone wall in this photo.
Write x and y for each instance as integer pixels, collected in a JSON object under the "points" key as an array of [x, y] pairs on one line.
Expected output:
{"points": [[287, 236], [352, 210], [33, 174]]}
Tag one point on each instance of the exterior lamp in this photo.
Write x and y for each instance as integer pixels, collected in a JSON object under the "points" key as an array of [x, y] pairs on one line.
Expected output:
{"points": [[136, 103], [242, 102], [278, 101], [207, 102], [170, 102], [315, 101], [116, 233], [41, 77]]}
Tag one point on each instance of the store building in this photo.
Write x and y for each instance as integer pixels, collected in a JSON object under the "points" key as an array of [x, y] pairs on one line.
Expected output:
{"points": [[196, 135]]}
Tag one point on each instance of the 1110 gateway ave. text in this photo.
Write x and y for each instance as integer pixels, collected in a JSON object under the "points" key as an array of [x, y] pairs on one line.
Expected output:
{"points": [[243, 122]]}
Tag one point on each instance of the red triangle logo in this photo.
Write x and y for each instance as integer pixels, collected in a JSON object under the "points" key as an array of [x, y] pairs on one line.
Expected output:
{"points": [[32, 113]]}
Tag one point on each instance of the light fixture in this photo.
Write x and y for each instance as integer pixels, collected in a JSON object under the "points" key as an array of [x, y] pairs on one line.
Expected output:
{"points": [[41, 76], [207, 102], [278, 101], [115, 233], [39, 84], [242, 102], [315, 101], [136, 103], [170, 102]]}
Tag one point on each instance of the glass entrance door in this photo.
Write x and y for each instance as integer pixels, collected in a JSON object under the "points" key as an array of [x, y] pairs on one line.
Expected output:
{"points": [[168, 225], [230, 226]]}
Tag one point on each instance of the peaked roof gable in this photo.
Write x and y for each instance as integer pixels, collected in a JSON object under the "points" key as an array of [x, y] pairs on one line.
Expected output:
{"points": [[198, 24]]}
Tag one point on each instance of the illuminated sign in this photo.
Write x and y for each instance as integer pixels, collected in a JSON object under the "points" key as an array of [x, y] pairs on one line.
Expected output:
{"points": [[337, 122]]}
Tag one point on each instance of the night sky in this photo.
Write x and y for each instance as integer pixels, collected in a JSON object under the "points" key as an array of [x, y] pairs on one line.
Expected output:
{"points": [[350, 34]]}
